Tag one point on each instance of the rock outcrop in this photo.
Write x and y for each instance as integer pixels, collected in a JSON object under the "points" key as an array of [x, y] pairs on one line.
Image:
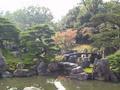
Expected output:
{"points": [[53, 67], [67, 66], [85, 63], [23, 73], [101, 71], [42, 68], [2, 64], [76, 70], [78, 73], [71, 56], [6, 74]]}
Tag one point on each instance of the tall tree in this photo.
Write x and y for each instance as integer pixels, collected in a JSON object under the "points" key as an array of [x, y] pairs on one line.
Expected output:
{"points": [[65, 39], [29, 16], [92, 6], [108, 25], [8, 32], [39, 42], [82, 13]]}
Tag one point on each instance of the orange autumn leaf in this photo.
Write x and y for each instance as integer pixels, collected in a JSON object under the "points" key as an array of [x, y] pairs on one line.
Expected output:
{"points": [[64, 37]]}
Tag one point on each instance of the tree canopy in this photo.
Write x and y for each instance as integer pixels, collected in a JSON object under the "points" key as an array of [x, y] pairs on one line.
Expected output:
{"points": [[29, 16], [38, 40], [8, 32]]}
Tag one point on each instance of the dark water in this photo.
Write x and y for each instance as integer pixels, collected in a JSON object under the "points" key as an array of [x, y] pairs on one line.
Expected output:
{"points": [[47, 83]]}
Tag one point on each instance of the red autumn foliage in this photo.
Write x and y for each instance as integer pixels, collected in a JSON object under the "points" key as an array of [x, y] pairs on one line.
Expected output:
{"points": [[65, 38]]}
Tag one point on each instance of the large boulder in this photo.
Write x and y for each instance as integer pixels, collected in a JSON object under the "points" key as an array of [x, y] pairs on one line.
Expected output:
{"points": [[23, 73], [78, 73], [2, 63], [7, 74], [53, 67], [79, 76], [71, 57], [76, 70], [101, 71], [67, 66], [85, 63], [117, 75], [42, 68]]}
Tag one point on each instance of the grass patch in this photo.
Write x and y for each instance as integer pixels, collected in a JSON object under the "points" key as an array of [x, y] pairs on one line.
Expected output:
{"points": [[88, 70], [59, 57], [10, 59], [79, 48]]}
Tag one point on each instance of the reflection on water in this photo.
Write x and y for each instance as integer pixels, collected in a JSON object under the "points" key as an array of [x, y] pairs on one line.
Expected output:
{"points": [[47, 83], [13, 88], [59, 85], [32, 88]]}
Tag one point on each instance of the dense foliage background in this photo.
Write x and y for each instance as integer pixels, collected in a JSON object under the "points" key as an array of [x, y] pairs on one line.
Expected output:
{"points": [[29, 32]]}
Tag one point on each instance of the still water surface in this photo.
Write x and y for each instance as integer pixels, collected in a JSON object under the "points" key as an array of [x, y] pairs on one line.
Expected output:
{"points": [[48, 83]]}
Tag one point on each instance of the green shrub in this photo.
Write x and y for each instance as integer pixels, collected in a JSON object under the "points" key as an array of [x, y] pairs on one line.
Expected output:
{"points": [[10, 59], [114, 60], [88, 70]]}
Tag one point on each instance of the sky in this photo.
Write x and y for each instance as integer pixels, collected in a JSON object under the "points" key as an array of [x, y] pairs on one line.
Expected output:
{"points": [[59, 8]]}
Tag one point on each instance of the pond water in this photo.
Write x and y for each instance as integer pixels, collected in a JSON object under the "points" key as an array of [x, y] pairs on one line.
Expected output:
{"points": [[48, 83]]}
